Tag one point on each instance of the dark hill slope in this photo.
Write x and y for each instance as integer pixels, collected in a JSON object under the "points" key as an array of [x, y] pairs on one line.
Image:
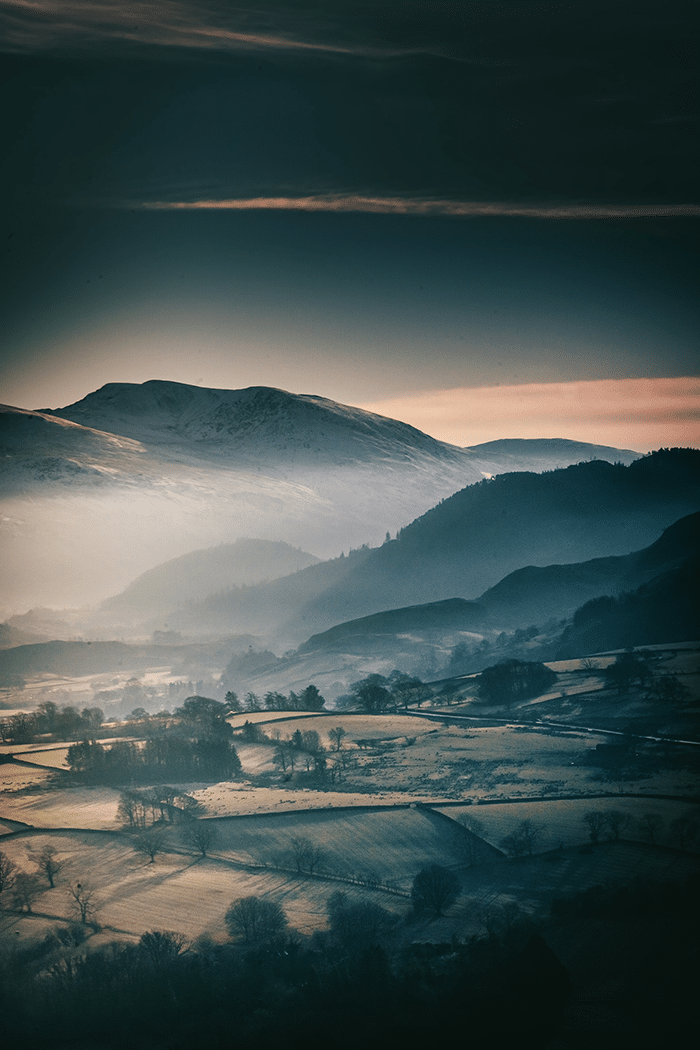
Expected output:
{"points": [[527, 596], [664, 610], [78, 658], [473, 539], [533, 595], [438, 618]]}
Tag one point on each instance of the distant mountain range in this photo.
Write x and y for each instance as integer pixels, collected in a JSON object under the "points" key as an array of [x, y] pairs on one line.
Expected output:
{"points": [[528, 596], [637, 599], [98, 492], [470, 542]]}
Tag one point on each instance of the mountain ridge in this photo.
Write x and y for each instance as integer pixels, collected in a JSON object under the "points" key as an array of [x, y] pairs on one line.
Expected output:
{"points": [[250, 419], [473, 539], [174, 468], [502, 606], [159, 409]]}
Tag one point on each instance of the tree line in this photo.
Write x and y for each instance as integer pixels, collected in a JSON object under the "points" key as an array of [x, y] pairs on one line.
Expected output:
{"points": [[352, 984], [65, 723], [309, 699], [195, 744]]}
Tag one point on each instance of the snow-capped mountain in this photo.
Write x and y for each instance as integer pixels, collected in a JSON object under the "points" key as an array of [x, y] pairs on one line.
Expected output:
{"points": [[267, 424], [42, 447], [133, 474]]}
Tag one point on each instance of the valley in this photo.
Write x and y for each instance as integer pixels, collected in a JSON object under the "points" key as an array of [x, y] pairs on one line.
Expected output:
{"points": [[440, 785], [497, 701]]}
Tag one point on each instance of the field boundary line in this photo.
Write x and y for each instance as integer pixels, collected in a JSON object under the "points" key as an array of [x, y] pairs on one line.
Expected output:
{"points": [[541, 724], [270, 868]]}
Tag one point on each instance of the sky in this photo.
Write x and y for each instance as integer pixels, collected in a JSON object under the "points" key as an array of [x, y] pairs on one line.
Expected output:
{"points": [[480, 217]]}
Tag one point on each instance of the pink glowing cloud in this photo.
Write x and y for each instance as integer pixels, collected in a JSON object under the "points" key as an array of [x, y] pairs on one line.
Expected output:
{"points": [[423, 206], [641, 414]]}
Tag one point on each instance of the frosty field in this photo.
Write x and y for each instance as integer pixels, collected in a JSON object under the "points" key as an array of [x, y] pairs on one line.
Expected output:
{"points": [[410, 791]]}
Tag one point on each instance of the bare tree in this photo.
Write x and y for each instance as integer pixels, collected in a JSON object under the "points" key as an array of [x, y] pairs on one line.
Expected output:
{"points": [[313, 748], [306, 854], [336, 737], [596, 822], [150, 843], [650, 824], [25, 890], [199, 835], [84, 900], [162, 946], [255, 919], [616, 822], [48, 865], [284, 757], [589, 664], [8, 869], [131, 809], [684, 830], [523, 840]]}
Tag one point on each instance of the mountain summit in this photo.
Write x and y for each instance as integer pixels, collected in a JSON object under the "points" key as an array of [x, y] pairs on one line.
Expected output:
{"points": [[254, 423], [265, 422]]}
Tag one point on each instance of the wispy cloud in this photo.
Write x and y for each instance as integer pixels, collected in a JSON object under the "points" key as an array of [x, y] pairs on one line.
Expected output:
{"points": [[641, 414], [421, 206], [29, 25]]}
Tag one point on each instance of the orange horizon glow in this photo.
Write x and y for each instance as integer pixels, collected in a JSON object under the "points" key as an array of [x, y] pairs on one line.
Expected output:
{"points": [[637, 414]]}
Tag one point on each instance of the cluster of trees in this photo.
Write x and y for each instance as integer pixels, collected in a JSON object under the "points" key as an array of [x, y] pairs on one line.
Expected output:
{"points": [[682, 832], [302, 747], [172, 754], [634, 668], [352, 925], [23, 887], [514, 680], [65, 723], [266, 987], [377, 693], [523, 840], [161, 804], [463, 658], [196, 744], [629, 668], [309, 699]]}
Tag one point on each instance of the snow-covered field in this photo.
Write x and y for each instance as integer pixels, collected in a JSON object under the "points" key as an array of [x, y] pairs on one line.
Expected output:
{"points": [[560, 822], [366, 826]]}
